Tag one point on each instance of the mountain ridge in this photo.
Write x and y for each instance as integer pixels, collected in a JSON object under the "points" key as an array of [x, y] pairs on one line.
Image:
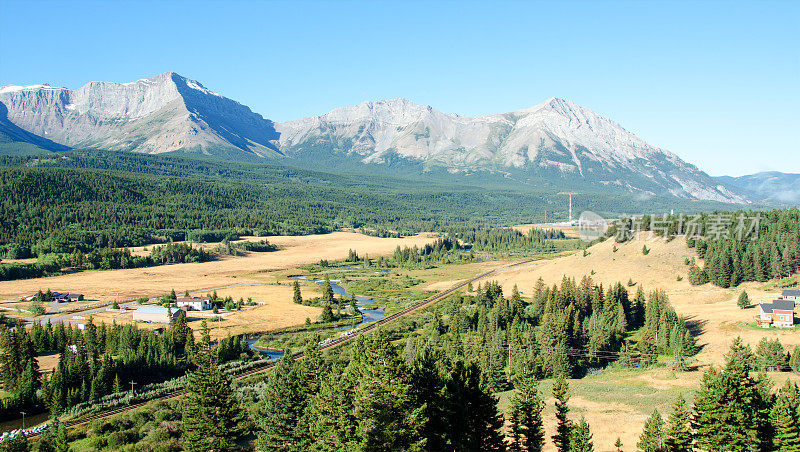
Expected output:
{"points": [[553, 135], [555, 141], [164, 113], [773, 186]]}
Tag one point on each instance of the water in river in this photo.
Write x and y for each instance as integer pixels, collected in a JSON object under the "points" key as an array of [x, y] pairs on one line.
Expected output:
{"points": [[368, 315]]}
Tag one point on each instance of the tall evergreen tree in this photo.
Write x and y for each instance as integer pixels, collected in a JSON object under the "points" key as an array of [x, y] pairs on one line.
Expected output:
{"points": [[678, 434], [298, 297], [731, 410], [784, 417], [474, 420], [526, 414], [581, 437], [652, 437], [327, 292], [212, 417], [563, 434], [281, 409]]}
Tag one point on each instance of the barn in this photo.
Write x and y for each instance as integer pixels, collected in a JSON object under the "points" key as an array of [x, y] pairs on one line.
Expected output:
{"points": [[154, 314]]}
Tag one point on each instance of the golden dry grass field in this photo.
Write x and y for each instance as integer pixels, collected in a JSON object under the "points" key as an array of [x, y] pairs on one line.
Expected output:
{"points": [[252, 274], [618, 405]]}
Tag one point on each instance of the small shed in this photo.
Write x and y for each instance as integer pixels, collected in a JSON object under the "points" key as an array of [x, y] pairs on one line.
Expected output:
{"points": [[194, 303], [779, 313], [154, 314], [793, 295]]}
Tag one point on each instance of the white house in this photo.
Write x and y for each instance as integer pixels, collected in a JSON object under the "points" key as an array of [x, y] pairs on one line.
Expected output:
{"points": [[793, 295], [194, 303]]}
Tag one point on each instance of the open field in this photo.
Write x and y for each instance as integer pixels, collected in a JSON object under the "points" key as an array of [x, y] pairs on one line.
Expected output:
{"points": [[711, 310], [568, 230], [205, 276], [617, 402]]}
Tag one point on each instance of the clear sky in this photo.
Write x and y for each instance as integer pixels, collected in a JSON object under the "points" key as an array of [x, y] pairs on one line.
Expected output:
{"points": [[718, 83]]}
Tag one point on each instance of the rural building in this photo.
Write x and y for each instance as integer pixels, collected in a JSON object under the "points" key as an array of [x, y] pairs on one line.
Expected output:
{"points": [[779, 313], [793, 295], [57, 297], [194, 303], [68, 297], [154, 314]]}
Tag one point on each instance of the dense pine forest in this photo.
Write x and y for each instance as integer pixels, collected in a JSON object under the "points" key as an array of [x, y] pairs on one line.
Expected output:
{"points": [[735, 246], [93, 363], [88, 200], [427, 384]]}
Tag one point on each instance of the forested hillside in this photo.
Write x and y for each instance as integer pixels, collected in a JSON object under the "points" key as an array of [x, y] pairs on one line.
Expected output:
{"points": [[735, 246], [85, 200]]}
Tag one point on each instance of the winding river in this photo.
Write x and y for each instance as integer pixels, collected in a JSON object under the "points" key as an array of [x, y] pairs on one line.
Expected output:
{"points": [[368, 315]]}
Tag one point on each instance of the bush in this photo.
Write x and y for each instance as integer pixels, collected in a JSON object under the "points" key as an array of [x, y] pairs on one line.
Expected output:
{"points": [[36, 308]]}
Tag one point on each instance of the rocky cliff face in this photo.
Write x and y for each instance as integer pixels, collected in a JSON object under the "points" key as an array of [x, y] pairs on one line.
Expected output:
{"points": [[556, 141], [160, 114], [555, 137]]}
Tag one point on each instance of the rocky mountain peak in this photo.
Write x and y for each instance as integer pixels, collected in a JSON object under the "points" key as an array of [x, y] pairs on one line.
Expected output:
{"points": [[164, 113]]}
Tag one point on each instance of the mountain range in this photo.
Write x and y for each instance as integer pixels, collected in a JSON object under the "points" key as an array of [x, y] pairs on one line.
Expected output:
{"points": [[556, 143], [770, 186]]}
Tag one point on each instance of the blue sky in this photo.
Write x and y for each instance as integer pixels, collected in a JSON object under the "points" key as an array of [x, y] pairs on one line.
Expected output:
{"points": [[718, 83]]}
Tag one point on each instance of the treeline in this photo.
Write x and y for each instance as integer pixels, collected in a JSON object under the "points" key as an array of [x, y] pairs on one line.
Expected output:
{"points": [[735, 246], [93, 362], [563, 330], [507, 239], [104, 259], [733, 410], [89, 200]]}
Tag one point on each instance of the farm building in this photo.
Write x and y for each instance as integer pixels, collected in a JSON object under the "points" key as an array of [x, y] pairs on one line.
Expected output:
{"points": [[779, 313], [57, 297], [793, 295], [68, 297], [194, 303], [154, 314]]}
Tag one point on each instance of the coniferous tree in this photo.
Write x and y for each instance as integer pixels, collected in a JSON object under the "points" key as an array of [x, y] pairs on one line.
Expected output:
{"points": [[744, 300], [731, 410], [563, 434], [652, 437], [298, 297], [212, 417], [678, 434], [785, 417], [581, 439], [647, 348], [474, 420], [327, 292], [526, 414], [281, 409]]}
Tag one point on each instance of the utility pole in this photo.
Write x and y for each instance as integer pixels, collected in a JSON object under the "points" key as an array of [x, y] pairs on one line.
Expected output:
{"points": [[570, 193], [132, 383], [23, 419], [508, 379]]}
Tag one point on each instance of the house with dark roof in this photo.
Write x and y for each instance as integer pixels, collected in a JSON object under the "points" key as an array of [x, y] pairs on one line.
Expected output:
{"points": [[793, 295], [778, 314]]}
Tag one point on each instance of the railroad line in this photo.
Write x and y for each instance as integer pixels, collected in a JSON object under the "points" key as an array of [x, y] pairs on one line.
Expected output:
{"points": [[269, 365]]}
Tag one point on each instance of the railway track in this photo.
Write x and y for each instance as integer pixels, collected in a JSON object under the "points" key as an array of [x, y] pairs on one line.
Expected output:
{"points": [[269, 365]]}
